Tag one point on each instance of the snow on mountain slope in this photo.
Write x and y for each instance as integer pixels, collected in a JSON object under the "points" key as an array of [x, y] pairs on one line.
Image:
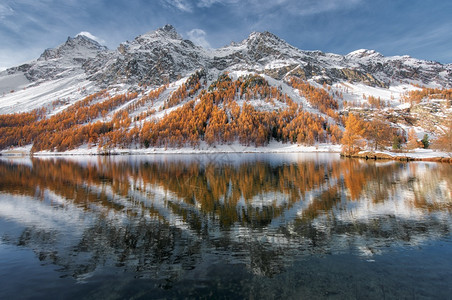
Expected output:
{"points": [[78, 49], [266, 53], [259, 51], [400, 67], [62, 61], [63, 90], [156, 57], [355, 92], [57, 75], [81, 66]]}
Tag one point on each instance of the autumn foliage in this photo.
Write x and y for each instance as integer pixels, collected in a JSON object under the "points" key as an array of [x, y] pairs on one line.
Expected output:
{"points": [[353, 137], [444, 141], [417, 96], [217, 118], [317, 97], [246, 110], [66, 130]]}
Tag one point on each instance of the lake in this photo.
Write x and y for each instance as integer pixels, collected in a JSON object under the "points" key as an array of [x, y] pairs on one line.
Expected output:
{"points": [[259, 226]]}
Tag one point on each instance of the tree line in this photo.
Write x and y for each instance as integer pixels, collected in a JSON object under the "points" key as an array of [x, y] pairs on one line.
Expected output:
{"points": [[227, 111]]}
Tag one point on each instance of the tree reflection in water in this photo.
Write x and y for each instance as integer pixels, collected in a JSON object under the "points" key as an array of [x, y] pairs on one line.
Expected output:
{"points": [[162, 216]]}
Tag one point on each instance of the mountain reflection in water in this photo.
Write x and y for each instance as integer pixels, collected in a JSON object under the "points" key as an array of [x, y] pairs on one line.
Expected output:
{"points": [[162, 216]]}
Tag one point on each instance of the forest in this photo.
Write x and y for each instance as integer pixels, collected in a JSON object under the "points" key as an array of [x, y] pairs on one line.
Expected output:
{"points": [[247, 110]]}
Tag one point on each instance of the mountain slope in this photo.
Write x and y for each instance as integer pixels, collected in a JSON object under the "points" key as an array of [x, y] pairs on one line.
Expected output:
{"points": [[155, 57], [57, 75], [251, 92]]}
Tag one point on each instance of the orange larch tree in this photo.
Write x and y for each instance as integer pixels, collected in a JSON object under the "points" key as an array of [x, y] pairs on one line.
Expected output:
{"points": [[352, 139]]}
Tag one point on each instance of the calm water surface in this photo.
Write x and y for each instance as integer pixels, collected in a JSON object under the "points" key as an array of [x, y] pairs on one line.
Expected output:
{"points": [[299, 226]]}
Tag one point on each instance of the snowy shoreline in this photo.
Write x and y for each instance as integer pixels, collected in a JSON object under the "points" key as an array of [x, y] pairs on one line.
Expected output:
{"points": [[203, 148], [415, 155], [273, 147]]}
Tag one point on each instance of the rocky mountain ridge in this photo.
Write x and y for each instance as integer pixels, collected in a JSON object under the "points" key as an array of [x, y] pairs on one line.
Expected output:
{"points": [[63, 61], [163, 56]]}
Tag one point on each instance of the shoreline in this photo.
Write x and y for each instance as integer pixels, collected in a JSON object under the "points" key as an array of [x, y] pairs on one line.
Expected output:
{"points": [[273, 147], [406, 157]]}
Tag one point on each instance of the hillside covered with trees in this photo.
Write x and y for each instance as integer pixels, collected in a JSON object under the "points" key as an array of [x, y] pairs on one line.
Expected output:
{"points": [[161, 91], [245, 109]]}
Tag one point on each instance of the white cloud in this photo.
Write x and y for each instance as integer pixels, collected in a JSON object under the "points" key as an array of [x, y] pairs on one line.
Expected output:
{"points": [[198, 36], [93, 37], [5, 11], [262, 7], [303, 7], [319, 6], [182, 5], [209, 3]]}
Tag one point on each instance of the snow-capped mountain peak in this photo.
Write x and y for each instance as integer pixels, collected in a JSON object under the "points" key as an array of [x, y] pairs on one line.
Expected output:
{"points": [[80, 47], [163, 56], [90, 36], [363, 53], [153, 57], [168, 30], [165, 34], [262, 36], [266, 40]]}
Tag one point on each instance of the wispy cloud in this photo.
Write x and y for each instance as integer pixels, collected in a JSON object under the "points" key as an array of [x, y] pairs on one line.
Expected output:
{"points": [[5, 10], [209, 3], [28, 27], [182, 5], [416, 43], [425, 39], [312, 7], [295, 7], [267, 8], [198, 36]]}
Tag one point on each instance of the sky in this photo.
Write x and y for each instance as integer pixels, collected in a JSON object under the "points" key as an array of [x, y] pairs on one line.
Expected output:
{"points": [[419, 28]]}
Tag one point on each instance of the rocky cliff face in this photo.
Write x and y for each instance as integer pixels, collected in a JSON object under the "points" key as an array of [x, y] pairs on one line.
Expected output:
{"points": [[153, 58], [163, 56]]}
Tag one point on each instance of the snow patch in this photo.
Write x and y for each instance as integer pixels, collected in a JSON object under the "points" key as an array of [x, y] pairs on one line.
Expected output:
{"points": [[91, 36]]}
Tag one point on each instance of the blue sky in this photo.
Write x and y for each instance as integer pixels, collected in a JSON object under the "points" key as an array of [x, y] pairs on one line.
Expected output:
{"points": [[422, 29]]}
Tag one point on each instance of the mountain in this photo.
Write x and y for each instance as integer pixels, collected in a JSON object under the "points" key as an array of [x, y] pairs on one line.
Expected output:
{"points": [[62, 61], [163, 55], [172, 71], [154, 57], [58, 74]]}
